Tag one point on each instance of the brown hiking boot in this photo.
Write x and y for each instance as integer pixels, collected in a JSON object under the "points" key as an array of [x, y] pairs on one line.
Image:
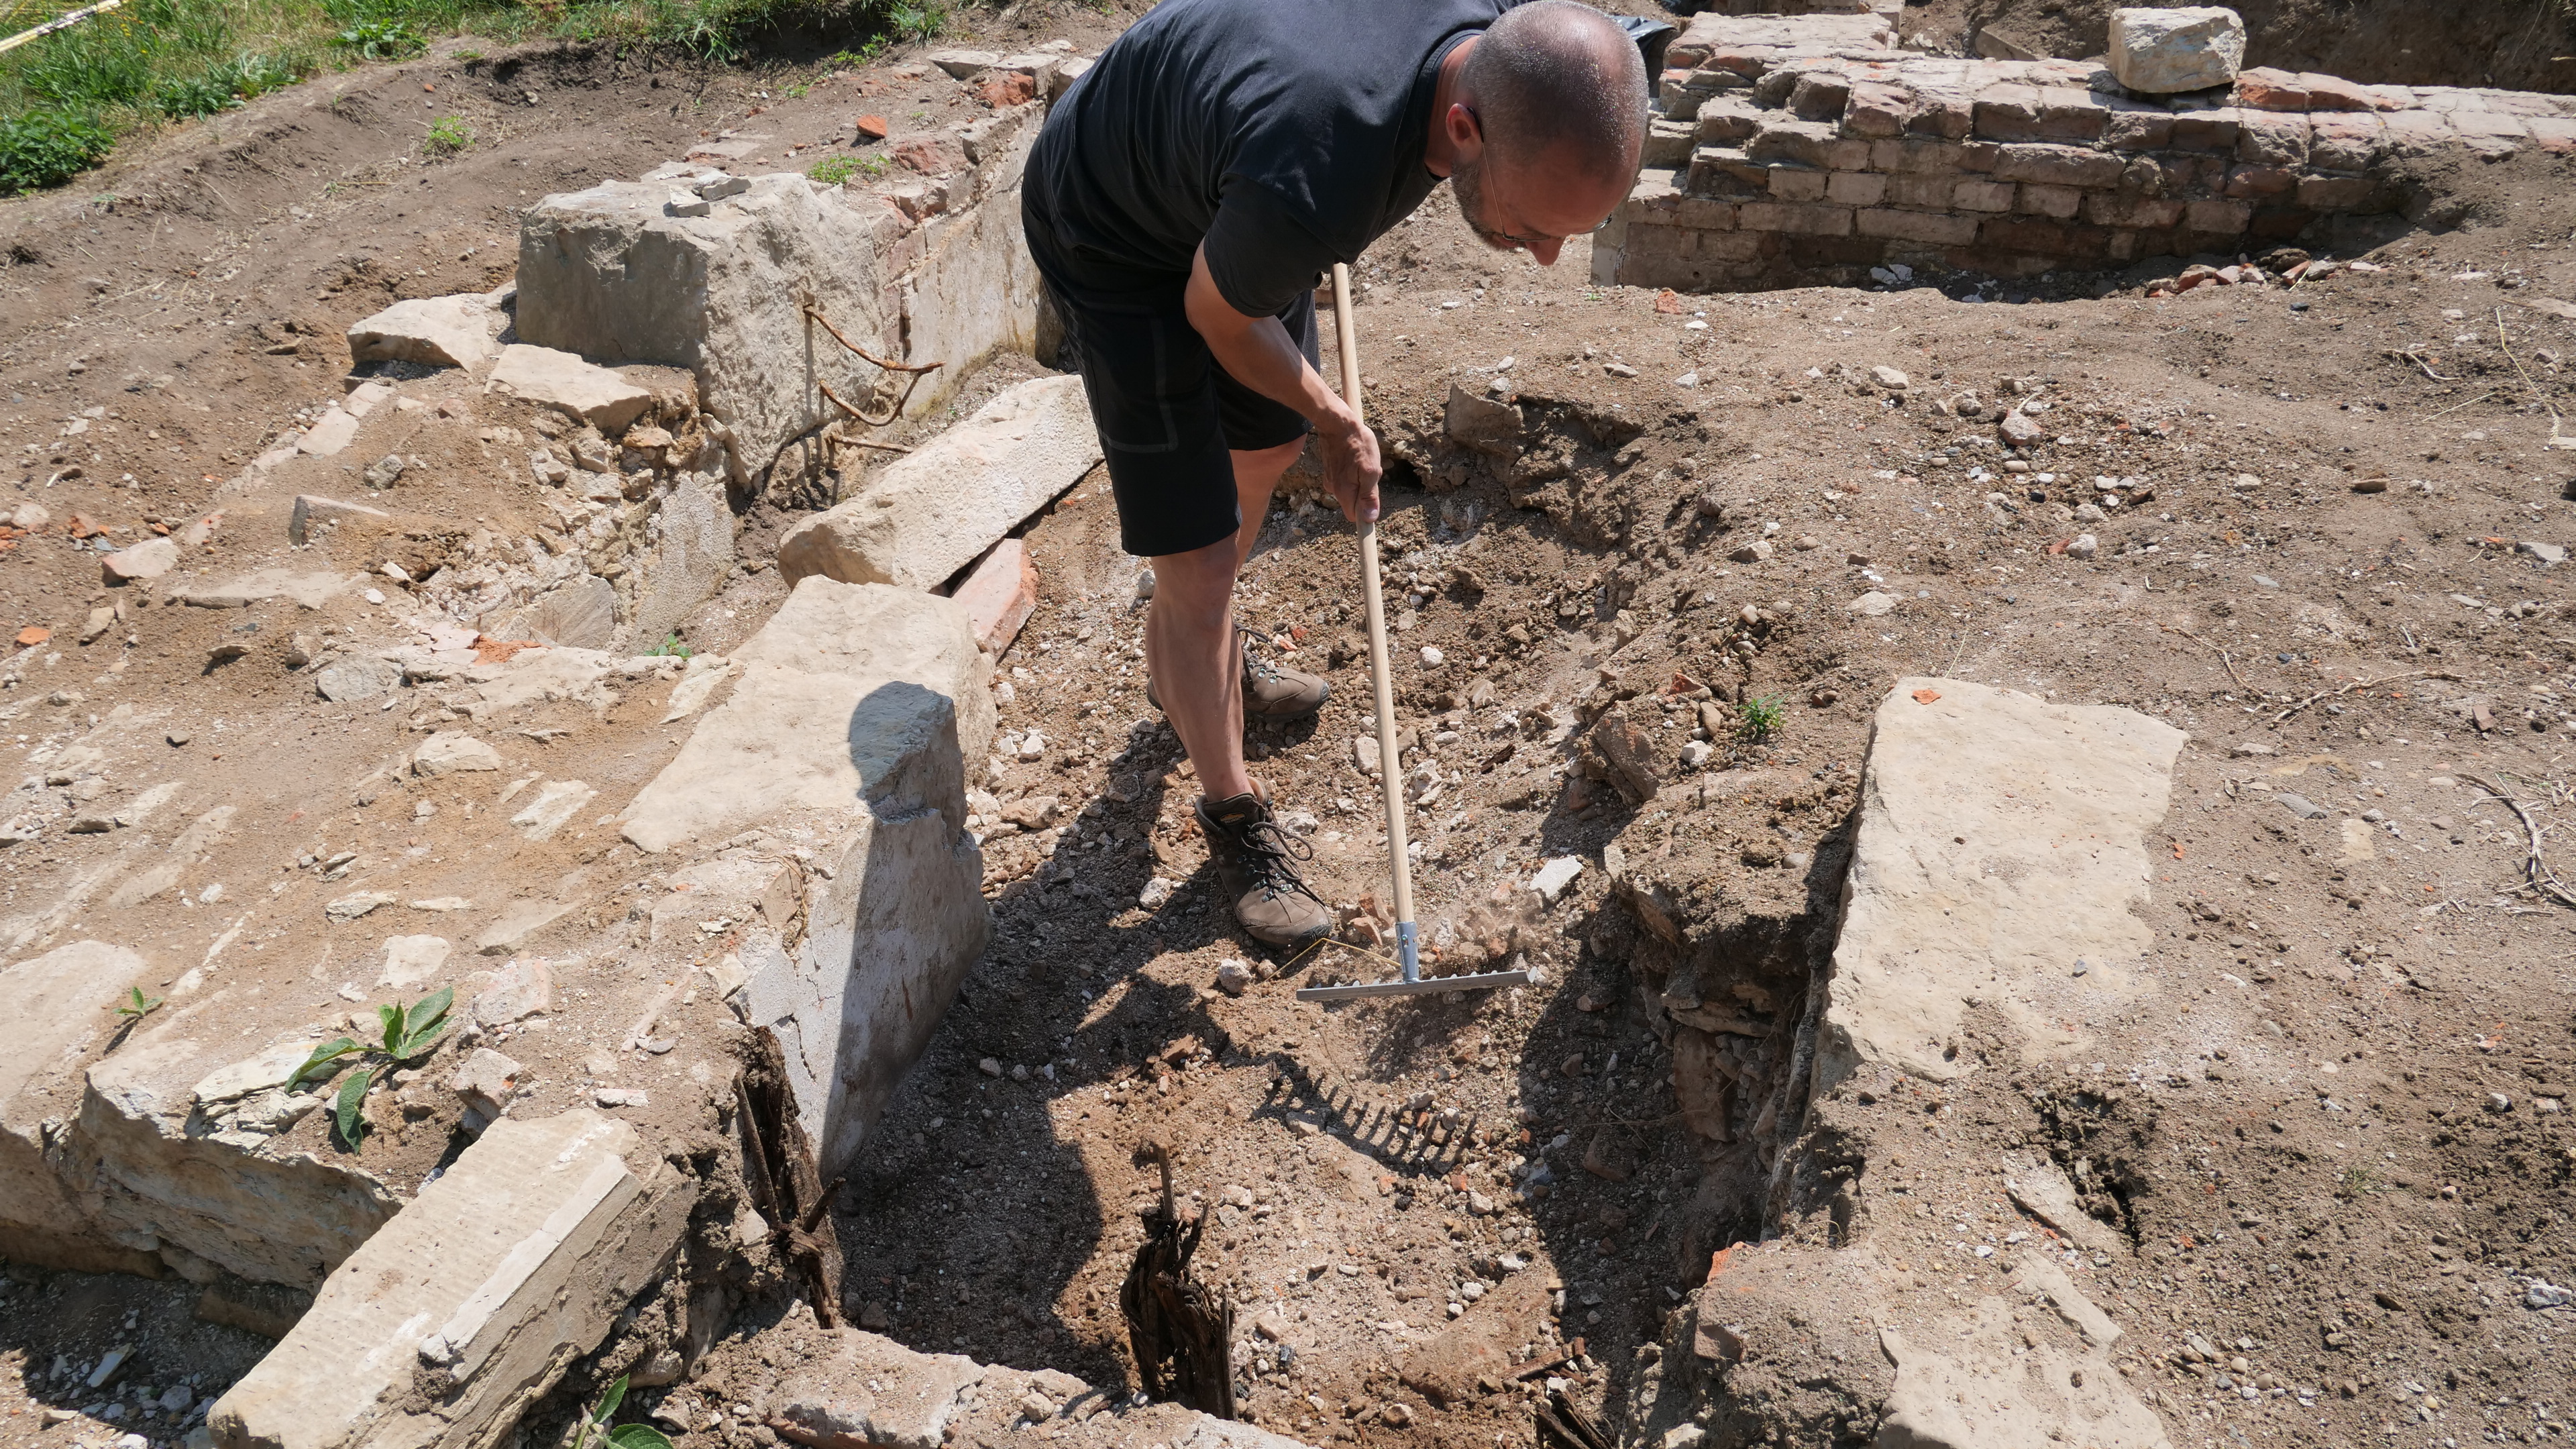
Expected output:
{"points": [[1252, 856], [1270, 691]]}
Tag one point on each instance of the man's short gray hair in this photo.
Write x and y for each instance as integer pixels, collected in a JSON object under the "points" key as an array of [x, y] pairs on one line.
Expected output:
{"points": [[1557, 75]]}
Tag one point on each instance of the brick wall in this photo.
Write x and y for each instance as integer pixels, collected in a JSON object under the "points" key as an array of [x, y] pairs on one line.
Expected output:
{"points": [[1801, 150]]}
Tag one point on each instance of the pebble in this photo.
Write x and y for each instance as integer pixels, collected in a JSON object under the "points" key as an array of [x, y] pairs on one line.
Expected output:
{"points": [[2301, 806], [621, 1097], [2084, 546], [1687, 379], [1156, 894], [1233, 978], [989, 1067], [1432, 658], [1618, 369], [1032, 746], [2544, 1294]]}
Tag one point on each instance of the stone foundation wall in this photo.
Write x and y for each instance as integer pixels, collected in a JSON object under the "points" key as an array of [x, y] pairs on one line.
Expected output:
{"points": [[1801, 150]]}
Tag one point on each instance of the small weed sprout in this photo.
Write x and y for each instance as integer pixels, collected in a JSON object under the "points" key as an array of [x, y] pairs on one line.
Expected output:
{"points": [[137, 1006], [408, 1033], [833, 170], [670, 648], [1757, 719], [449, 135], [594, 1431]]}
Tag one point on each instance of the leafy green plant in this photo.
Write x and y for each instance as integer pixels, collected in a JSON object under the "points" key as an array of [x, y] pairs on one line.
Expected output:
{"points": [[1757, 719], [137, 1006], [920, 24], [379, 39], [47, 148], [833, 170], [468, 57], [406, 1034], [89, 69], [670, 648], [624, 1436], [192, 96], [449, 135]]}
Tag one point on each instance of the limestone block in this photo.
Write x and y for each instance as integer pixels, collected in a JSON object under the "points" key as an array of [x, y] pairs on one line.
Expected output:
{"points": [[929, 514], [308, 590], [1969, 1381], [2001, 846], [446, 1325], [856, 712], [450, 751], [606, 273], [975, 289], [174, 1170], [53, 1000], [559, 379], [2188, 48], [312, 508], [432, 331], [694, 557]]}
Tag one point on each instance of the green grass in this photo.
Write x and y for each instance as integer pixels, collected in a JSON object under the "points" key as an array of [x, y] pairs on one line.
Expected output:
{"points": [[67, 99], [833, 170], [1757, 719], [449, 135]]}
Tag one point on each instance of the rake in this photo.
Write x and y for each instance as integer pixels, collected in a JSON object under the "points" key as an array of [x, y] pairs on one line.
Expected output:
{"points": [[1390, 769]]}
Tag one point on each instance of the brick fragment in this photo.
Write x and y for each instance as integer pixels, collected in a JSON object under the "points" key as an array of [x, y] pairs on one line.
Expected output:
{"points": [[2339, 193], [2266, 89], [1819, 96], [1877, 111]]}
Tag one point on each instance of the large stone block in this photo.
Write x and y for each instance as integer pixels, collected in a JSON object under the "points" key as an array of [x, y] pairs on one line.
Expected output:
{"points": [[470, 1304], [691, 557], [570, 384], [2001, 850], [975, 289], [458, 331], [614, 274], [54, 999], [854, 719], [2188, 48], [925, 516]]}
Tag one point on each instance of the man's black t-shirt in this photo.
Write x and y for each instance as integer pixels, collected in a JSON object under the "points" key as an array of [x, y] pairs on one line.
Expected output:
{"points": [[1286, 134]]}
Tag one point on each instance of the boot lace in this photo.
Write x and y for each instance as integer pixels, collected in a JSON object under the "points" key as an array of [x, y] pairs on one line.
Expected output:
{"points": [[1268, 850], [1254, 666]]}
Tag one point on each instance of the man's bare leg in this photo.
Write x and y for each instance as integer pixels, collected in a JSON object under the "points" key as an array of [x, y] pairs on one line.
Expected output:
{"points": [[1189, 632]]}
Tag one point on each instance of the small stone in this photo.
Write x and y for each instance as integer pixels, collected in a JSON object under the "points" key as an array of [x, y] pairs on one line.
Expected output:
{"points": [[2019, 429], [1754, 552], [1432, 658], [1156, 894], [2544, 1294], [351, 907], [1233, 978], [1697, 753], [1035, 1405], [1687, 379], [1032, 747], [383, 472], [2301, 806], [362, 677], [1891, 379], [2499, 1102], [989, 1067], [451, 752], [2551, 555], [2252, 749], [1397, 1416], [1553, 877], [485, 1081], [622, 1097], [1871, 605], [149, 559], [1617, 369], [2084, 546]]}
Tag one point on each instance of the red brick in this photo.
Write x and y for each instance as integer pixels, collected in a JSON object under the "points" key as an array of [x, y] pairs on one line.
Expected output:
{"points": [[2334, 93], [1819, 96], [2138, 130], [2058, 166], [2106, 208], [2345, 141], [2261, 181], [2067, 114], [1797, 220], [1797, 183], [1924, 193], [2340, 193], [1877, 111], [2266, 89], [2267, 139], [2218, 218], [1000, 594], [2057, 202], [930, 156], [1983, 196], [1931, 228], [1856, 188], [2212, 130], [1004, 89]]}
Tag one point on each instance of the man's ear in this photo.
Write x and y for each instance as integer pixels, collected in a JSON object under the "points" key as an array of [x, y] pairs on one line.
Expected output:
{"points": [[1466, 133]]}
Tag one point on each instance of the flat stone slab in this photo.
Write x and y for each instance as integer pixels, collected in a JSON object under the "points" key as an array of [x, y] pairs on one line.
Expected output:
{"points": [[1974, 1383], [54, 1002], [445, 1324], [561, 380], [309, 590], [2001, 849], [856, 710], [460, 331], [925, 516]]}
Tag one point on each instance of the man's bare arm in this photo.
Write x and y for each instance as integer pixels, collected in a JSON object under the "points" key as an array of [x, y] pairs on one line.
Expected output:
{"points": [[1258, 352]]}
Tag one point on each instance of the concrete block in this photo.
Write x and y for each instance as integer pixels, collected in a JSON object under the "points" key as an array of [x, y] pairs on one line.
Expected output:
{"points": [[1964, 882], [1000, 594], [560, 380], [460, 331], [2188, 48], [470, 1304], [925, 516], [856, 713], [607, 274]]}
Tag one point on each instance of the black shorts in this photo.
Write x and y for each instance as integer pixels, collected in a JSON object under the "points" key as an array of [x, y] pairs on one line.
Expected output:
{"points": [[1168, 413]]}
